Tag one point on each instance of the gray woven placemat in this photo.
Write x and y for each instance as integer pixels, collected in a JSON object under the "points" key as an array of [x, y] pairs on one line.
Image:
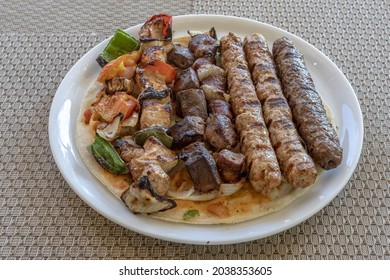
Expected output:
{"points": [[42, 218]]}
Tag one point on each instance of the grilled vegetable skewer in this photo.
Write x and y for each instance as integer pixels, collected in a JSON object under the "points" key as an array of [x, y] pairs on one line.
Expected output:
{"points": [[308, 111], [263, 169], [149, 170], [296, 165]]}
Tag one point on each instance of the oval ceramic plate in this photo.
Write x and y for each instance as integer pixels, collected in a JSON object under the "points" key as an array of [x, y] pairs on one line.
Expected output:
{"points": [[330, 83]]}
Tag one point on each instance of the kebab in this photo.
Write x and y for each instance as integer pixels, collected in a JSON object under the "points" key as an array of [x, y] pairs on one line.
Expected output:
{"points": [[262, 166], [309, 114], [296, 165]]}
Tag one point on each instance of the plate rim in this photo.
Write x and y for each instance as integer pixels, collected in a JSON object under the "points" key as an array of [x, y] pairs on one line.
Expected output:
{"points": [[220, 240]]}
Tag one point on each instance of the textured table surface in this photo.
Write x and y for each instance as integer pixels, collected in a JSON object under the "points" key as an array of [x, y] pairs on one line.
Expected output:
{"points": [[42, 218]]}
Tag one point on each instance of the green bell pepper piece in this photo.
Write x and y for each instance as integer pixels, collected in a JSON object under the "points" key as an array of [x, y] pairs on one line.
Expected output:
{"points": [[107, 157], [141, 136], [120, 44]]}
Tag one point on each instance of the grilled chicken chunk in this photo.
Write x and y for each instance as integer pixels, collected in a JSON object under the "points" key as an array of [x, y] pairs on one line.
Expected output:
{"points": [[181, 57], [155, 114], [110, 106], [146, 78], [207, 71], [188, 130], [127, 152], [141, 197], [192, 102], [201, 166], [230, 165], [152, 53], [155, 153], [186, 80], [220, 132]]}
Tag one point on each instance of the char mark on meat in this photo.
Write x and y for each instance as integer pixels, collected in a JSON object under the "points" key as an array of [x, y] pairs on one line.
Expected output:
{"points": [[201, 166], [220, 107], [230, 166], [186, 80], [181, 57], [203, 45], [187, 131], [192, 102], [220, 132]]}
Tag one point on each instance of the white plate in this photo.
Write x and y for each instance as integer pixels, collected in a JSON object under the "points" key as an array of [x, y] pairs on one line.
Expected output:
{"points": [[330, 82]]}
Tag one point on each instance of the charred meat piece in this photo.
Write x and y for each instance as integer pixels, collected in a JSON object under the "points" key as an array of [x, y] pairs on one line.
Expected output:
{"points": [[181, 57], [213, 81], [220, 132], [126, 151], [186, 131], [142, 197], [199, 62], [119, 84], [157, 177], [220, 107], [150, 54], [192, 102], [150, 93], [230, 166], [110, 106], [201, 166], [146, 78], [212, 93], [207, 71], [203, 45], [186, 80], [155, 153], [155, 114]]}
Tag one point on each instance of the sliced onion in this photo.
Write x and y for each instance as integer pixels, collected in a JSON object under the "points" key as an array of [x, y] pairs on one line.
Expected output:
{"points": [[228, 189], [210, 32], [184, 194], [131, 141], [112, 130], [196, 196], [132, 121]]}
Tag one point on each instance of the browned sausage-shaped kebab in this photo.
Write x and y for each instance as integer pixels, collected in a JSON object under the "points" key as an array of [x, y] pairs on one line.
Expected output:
{"points": [[309, 114], [296, 165], [262, 166]]}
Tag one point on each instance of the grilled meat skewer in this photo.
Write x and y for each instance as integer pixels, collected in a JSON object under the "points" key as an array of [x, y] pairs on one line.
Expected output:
{"points": [[263, 169], [296, 165], [309, 114]]}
